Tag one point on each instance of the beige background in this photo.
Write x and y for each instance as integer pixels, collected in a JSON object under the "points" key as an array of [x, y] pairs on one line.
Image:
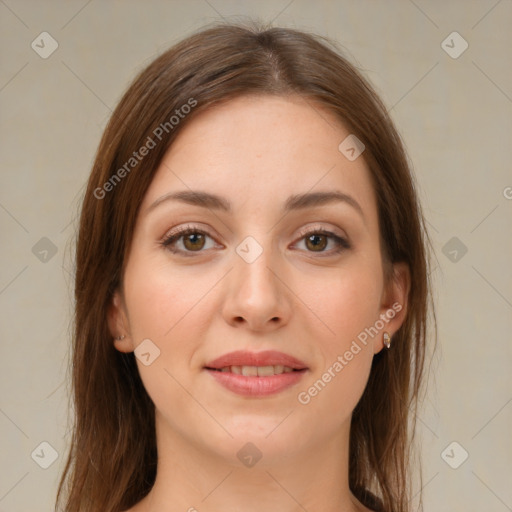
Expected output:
{"points": [[455, 116]]}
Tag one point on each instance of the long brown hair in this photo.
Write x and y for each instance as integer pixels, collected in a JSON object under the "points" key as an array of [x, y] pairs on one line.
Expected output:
{"points": [[112, 458]]}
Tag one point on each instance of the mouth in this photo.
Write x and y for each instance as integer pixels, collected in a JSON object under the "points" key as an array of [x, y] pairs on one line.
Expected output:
{"points": [[257, 371], [256, 374]]}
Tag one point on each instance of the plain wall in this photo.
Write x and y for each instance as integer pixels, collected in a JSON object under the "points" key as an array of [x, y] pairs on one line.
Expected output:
{"points": [[455, 116]]}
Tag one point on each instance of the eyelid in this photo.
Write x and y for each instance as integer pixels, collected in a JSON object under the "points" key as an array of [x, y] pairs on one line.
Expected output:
{"points": [[175, 234], [340, 239], [180, 230], [315, 228]]}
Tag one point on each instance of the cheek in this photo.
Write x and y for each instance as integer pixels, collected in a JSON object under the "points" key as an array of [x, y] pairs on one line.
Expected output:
{"points": [[347, 303], [160, 307], [160, 299], [347, 307], [163, 307], [339, 380], [334, 393]]}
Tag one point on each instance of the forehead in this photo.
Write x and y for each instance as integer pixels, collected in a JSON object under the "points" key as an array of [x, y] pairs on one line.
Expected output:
{"points": [[261, 150]]}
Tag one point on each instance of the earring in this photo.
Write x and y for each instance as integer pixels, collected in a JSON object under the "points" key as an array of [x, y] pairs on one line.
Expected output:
{"points": [[387, 340], [120, 337]]}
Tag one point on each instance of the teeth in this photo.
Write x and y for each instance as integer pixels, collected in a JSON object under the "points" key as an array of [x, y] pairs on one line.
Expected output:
{"points": [[265, 371], [250, 371], [257, 371]]}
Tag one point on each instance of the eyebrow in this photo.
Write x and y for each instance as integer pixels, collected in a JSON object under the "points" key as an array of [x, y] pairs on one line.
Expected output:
{"points": [[294, 202]]}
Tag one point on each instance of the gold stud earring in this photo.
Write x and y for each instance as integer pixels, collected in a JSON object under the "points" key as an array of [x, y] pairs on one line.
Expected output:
{"points": [[387, 340]]}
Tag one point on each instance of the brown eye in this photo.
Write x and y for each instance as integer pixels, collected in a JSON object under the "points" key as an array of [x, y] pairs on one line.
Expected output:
{"points": [[316, 242], [323, 242], [188, 240], [194, 241]]}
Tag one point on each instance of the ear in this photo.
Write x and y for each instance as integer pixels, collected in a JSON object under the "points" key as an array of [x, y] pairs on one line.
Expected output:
{"points": [[118, 324], [394, 302]]}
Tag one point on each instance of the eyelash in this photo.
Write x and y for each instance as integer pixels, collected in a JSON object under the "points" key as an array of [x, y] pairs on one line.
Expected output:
{"points": [[172, 238]]}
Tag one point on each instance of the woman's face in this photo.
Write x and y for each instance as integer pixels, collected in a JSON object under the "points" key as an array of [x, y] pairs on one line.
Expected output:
{"points": [[272, 261]]}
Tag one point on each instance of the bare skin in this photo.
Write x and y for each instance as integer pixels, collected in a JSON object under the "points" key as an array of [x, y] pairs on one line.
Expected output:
{"points": [[310, 300]]}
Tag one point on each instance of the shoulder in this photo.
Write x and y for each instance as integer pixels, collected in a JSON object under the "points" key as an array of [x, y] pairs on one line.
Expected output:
{"points": [[135, 508], [369, 501]]}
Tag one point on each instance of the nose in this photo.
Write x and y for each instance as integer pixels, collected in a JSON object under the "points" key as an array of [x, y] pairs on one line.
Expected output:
{"points": [[257, 296]]}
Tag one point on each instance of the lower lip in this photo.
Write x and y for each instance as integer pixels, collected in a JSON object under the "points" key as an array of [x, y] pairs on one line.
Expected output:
{"points": [[256, 386]]}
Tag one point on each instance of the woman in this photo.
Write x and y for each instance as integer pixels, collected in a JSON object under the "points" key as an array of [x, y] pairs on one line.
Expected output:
{"points": [[251, 288]]}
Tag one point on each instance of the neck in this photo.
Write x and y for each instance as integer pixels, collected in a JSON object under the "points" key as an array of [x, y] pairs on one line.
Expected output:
{"points": [[193, 478]]}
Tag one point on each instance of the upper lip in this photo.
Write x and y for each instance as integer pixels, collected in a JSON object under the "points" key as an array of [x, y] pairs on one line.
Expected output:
{"points": [[266, 358]]}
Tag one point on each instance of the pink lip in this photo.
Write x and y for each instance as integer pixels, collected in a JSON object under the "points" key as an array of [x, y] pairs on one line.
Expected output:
{"points": [[256, 386], [266, 358]]}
